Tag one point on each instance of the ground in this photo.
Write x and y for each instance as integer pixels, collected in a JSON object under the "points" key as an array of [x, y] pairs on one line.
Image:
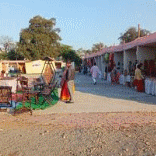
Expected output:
{"points": [[102, 121]]}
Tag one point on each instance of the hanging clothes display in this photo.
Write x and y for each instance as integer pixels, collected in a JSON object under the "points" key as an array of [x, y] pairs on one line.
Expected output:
{"points": [[111, 60], [151, 67], [89, 63], [111, 56], [106, 56], [146, 67]]}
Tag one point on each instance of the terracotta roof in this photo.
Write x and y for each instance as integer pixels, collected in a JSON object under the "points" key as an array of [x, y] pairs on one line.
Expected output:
{"points": [[141, 41]]}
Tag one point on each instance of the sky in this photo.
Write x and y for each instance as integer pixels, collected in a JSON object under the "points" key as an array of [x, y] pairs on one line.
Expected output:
{"points": [[82, 22]]}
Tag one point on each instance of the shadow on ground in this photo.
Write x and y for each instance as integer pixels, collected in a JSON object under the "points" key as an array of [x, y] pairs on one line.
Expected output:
{"points": [[103, 88]]}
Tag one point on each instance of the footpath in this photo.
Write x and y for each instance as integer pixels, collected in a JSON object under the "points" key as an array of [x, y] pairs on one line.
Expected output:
{"points": [[103, 97]]}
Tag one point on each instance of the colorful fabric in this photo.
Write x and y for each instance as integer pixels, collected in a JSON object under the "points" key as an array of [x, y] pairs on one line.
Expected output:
{"points": [[65, 94], [41, 104], [107, 56], [111, 56], [117, 77], [113, 75], [139, 84]]}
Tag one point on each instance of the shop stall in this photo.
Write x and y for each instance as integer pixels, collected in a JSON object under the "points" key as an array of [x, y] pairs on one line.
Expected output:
{"points": [[147, 56]]}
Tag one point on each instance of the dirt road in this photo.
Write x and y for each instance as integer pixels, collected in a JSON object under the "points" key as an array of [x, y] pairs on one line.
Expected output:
{"points": [[78, 134]]}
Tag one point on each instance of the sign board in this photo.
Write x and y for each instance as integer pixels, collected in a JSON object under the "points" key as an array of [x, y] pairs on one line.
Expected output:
{"points": [[36, 64]]}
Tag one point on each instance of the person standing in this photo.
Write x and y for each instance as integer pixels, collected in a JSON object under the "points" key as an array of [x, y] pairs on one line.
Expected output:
{"points": [[138, 79], [85, 70], [118, 75], [113, 75], [67, 91], [105, 73], [94, 70]]}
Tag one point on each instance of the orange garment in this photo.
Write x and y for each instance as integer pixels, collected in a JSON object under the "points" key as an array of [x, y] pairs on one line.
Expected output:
{"points": [[65, 94]]}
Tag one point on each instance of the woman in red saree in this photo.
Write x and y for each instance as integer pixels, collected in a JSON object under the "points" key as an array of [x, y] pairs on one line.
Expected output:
{"points": [[67, 88], [65, 93]]}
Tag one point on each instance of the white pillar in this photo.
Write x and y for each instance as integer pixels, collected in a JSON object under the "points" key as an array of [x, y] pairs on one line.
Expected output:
{"points": [[125, 60], [101, 64]]}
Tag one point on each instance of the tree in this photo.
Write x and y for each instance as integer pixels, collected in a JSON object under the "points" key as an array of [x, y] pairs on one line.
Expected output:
{"points": [[131, 34], [13, 55], [64, 47], [97, 47], [3, 56], [72, 56], [5, 41], [88, 51], [40, 39], [81, 52]]}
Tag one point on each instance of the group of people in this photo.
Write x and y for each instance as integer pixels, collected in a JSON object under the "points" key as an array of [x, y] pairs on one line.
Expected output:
{"points": [[67, 82], [138, 78], [115, 75], [68, 87]]}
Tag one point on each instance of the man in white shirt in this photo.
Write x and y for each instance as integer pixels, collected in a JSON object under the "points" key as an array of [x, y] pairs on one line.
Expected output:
{"points": [[94, 70]]}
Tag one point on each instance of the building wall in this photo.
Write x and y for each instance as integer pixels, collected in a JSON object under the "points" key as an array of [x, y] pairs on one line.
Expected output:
{"points": [[100, 63], [102, 66], [35, 67], [118, 57], [129, 55], [96, 60], [145, 53]]}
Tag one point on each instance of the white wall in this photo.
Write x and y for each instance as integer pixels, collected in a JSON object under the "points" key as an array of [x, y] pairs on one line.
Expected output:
{"points": [[145, 53], [99, 64], [102, 66], [96, 60], [118, 57], [129, 55]]}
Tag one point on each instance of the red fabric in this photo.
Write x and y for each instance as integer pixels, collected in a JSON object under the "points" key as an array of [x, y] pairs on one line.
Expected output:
{"points": [[65, 94], [145, 65], [151, 66], [117, 77], [111, 56], [89, 62], [17, 97], [113, 79], [139, 84]]}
